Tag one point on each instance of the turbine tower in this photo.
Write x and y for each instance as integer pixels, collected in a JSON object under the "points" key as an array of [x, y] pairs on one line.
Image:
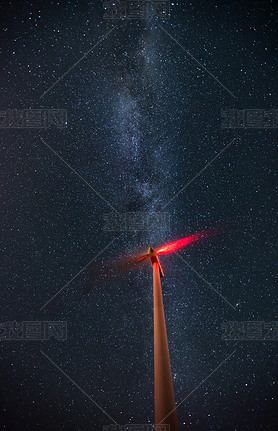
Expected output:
{"points": [[164, 397]]}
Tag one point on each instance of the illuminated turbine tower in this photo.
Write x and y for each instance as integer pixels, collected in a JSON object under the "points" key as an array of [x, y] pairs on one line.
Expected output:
{"points": [[164, 397]]}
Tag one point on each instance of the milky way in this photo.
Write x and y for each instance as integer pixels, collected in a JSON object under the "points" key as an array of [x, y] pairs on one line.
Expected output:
{"points": [[143, 137]]}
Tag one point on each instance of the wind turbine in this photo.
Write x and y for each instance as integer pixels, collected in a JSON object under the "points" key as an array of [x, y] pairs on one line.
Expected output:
{"points": [[164, 397]]}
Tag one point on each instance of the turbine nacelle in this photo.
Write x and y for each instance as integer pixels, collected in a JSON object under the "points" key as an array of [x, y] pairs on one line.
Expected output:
{"points": [[152, 254]]}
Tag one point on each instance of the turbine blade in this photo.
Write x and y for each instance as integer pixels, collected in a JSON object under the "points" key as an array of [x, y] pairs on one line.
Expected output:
{"points": [[142, 257], [176, 245]]}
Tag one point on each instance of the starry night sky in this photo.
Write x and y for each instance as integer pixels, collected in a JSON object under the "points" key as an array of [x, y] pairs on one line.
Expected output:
{"points": [[144, 118]]}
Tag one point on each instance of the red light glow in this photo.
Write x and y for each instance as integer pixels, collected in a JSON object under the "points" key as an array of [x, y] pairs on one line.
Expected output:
{"points": [[176, 245]]}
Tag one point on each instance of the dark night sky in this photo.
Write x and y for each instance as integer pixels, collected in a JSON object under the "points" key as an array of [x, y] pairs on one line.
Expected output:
{"points": [[143, 120]]}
